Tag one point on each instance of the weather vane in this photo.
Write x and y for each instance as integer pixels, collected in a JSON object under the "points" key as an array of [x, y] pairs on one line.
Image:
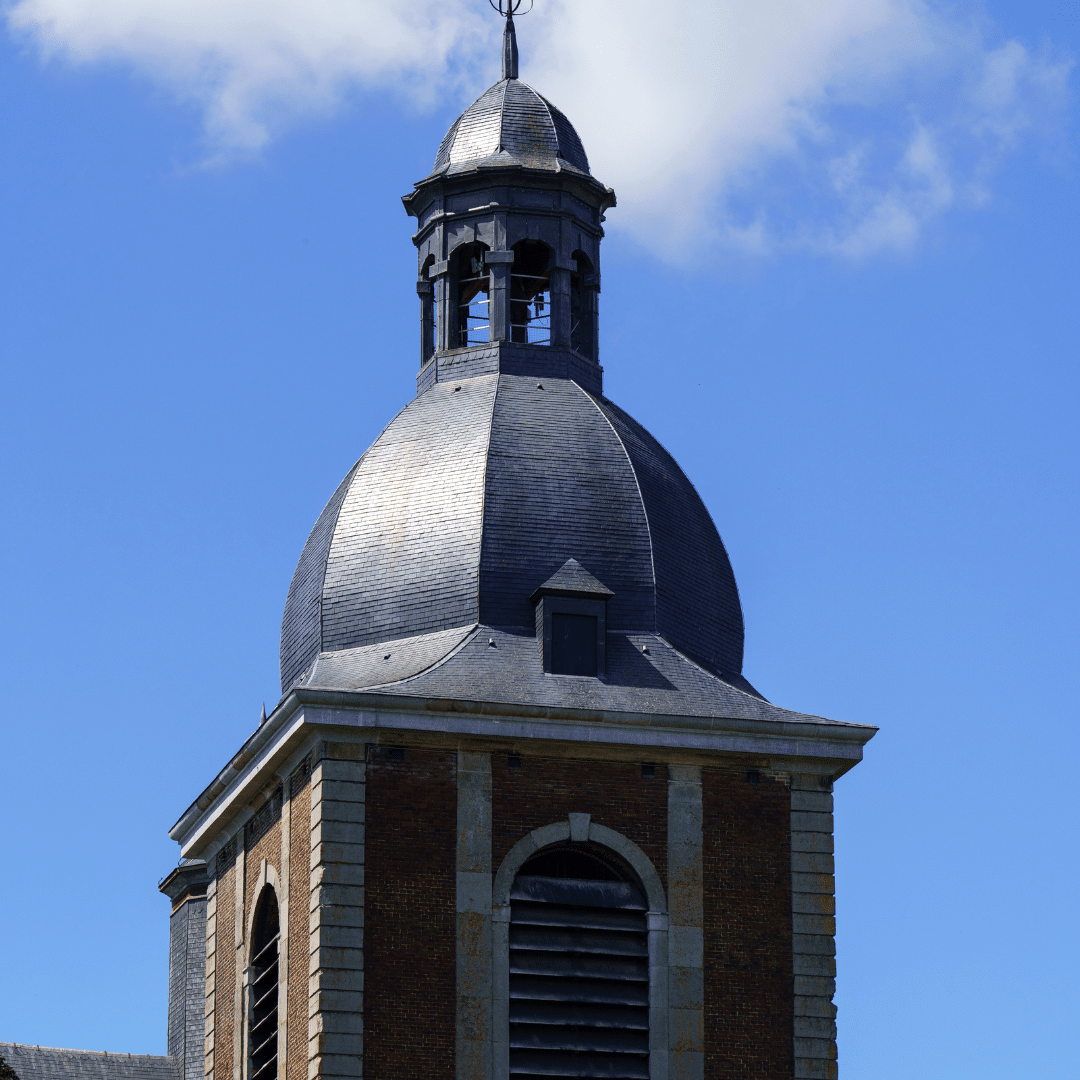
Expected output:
{"points": [[509, 8]]}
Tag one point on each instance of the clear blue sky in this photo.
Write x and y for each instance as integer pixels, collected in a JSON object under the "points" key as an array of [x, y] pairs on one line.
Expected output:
{"points": [[193, 357]]}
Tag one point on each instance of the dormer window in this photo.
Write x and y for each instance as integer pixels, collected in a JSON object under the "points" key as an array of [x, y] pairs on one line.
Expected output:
{"points": [[571, 621]]}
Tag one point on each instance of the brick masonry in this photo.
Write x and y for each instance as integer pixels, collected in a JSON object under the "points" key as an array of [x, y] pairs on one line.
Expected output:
{"points": [[410, 915], [545, 790], [747, 922]]}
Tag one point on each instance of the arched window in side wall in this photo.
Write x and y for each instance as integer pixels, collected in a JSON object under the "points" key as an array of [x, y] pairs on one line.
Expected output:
{"points": [[582, 307], [425, 289], [579, 967], [530, 293], [473, 308], [263, 992]]}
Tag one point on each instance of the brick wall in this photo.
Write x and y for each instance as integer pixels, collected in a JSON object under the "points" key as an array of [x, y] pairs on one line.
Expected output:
{"points": [[268, 847], [747, 922], [409, 933], [545, 790]]}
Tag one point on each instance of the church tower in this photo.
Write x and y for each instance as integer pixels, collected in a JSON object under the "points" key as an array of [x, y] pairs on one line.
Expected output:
{"points": [[517, 813]]}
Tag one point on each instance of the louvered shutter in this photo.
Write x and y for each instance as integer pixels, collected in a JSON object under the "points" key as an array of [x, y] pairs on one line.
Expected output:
{"points": [[579, 979]]}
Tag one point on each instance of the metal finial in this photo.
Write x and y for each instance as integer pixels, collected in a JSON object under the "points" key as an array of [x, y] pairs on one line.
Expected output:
{"points": [[508, 9]]}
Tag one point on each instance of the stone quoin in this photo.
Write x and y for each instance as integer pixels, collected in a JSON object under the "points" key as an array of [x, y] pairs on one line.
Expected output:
{"points": [[518, 812]]}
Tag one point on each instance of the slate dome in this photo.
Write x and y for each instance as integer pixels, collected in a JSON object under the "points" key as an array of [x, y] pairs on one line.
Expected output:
{"points": [[474, 495], [511, 124]]}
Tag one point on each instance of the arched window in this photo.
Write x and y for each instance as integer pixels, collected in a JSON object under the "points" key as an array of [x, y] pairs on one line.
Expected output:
{"points": [[530, 293], [579, 966], [263, 994], [473, 289], [582, 307]]}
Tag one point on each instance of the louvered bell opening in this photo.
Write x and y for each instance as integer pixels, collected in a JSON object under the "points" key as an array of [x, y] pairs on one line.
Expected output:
{"points": [[579, 971], [262, 1036]]}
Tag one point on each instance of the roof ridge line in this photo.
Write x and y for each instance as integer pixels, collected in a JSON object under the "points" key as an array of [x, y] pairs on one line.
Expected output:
{"points": [[641, 498]]}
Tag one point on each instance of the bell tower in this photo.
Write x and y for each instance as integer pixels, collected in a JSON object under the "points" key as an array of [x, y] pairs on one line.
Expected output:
{"points": [[508, 240], [518, 814]]}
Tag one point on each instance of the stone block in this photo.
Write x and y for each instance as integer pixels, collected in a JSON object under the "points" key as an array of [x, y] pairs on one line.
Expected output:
{"points": [[813, 883], [814, 1006], [474, 893], [685, 1065], [815, 986], [809, 862], [813, 924], [337, 874], [336, 896], [686, 1032], [686, 947], [323, 958], [337, 854], [807, 821], [332, 810], [815, 1048], [335, 915], [337, 791], [348, 833], [327, 1066], [326, 1022], [817, 801], [813, 945], [686, 988], [815, 1027], [328, 769], [815, 1069], [814, 965], [820, 843], [806, 903], [337, 937], [335, 1001], [351, 979]]}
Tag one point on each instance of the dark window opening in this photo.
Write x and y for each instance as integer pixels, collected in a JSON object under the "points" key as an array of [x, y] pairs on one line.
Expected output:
{"points": [[573, 644], [262, 1036], [473, 288], [530, 293], [579, 969], [581, 321]]}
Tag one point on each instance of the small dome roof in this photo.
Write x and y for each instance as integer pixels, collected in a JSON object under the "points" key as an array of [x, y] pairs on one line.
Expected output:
{"points": [[475, 495], [511, 124]]}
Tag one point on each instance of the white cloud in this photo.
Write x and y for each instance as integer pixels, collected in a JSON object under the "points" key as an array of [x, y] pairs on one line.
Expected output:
{"points": [[841, 126]]}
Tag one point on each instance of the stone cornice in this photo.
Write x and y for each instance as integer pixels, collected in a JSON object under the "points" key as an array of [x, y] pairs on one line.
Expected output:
{"points": [[798, 745]]}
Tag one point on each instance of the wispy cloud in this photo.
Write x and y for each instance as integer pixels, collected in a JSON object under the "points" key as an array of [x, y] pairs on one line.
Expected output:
{"points": [[839, 126]]}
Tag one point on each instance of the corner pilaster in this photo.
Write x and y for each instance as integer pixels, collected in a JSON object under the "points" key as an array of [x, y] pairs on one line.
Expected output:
{"points": [[336, 922], [813, 925], [474, 958], [686, 938]]}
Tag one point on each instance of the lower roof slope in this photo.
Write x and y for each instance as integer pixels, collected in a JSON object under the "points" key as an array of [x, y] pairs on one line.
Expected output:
{"points": [[52, 1063]]}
